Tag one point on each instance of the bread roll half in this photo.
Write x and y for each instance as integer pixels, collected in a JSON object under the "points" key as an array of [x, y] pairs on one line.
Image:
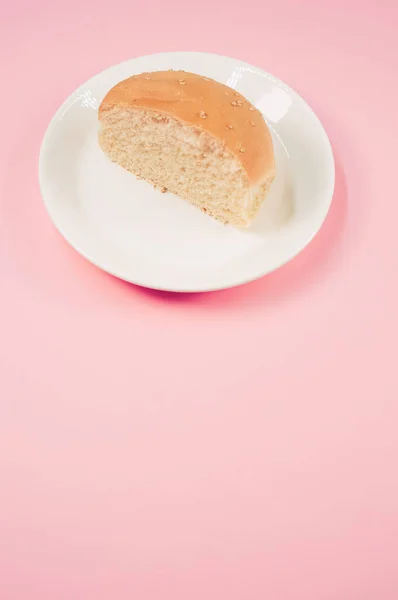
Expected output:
{"points": [[193, 136]]}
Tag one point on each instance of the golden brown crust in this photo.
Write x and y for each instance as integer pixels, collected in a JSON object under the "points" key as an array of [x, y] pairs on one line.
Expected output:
{"points": [[206, 104]]}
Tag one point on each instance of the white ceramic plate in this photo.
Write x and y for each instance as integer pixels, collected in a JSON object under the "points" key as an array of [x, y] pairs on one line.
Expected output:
{"points": [[157, 240]]}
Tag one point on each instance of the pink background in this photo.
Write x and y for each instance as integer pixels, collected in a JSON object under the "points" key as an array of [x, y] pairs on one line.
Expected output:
{"points": [[240, 445]]}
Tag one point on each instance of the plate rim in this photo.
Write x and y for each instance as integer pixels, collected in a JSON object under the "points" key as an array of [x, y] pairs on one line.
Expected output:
{"points": [[200, 289]]}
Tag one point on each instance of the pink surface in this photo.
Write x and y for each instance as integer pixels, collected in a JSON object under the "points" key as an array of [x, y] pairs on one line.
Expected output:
{"points": [[238, 445]]}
